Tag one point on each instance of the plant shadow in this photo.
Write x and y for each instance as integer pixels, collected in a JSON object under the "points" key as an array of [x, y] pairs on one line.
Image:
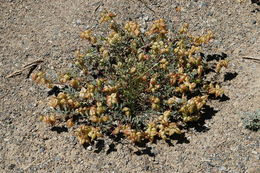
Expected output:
{"points": [[146, 151], [59, 129], [199, 126], [143, 149], [255, 1], [224, 98], [212, 57], [230, 76]]}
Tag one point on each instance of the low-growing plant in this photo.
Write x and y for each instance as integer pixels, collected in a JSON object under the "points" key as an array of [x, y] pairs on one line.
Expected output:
{"points": [[141, 84], [252, 120]]}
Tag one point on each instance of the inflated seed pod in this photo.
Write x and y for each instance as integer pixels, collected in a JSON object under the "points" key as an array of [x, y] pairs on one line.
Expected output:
{"points": [[144, 77], [104, 118], [192, 86], [63, 102], [153, 81], [182, 88], [132, 70], [93, 111], [49, 119], [171, 101], [74, 83], [100, 110], [155, 106], [34, 76], [200, 70], [70, 123], [61, 95], [116, 131], [54, 102], [167, 113], [71, 103], [94, 119]]}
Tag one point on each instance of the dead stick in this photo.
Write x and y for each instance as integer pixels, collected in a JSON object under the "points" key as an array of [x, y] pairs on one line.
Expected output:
{"points": [[36, 62], [15, 73], [146, 5], [29, 65], [250, 58]]}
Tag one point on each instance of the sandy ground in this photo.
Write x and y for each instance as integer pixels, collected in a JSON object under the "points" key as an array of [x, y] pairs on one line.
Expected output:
{"points": [[48, 29]]}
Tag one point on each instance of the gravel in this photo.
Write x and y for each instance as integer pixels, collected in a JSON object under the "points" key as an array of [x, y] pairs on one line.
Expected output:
{"points": [[50, 30]]}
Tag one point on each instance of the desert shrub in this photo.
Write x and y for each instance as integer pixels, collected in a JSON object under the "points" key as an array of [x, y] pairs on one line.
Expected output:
{"points": [[140, 84]]}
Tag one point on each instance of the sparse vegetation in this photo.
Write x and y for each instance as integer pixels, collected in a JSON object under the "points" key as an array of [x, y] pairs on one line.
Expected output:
{"points": [[252, 120]]}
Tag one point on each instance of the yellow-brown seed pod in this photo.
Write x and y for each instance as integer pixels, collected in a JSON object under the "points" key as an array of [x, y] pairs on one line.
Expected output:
{"points": [[50, 120], [104, 118], [38, 79], [65, 78], [192, 108], [155, 106], [200, 70], [34, 76], [106, 16], [192, 86], [74, 83], [162, 61], [182, 88], [54, 102], [63, 102], [155, 100], [221, 63], [132, 70], [92, 111], [70, 123], [116, 131], [127, 113], [61, 95], [125, 109], [182, 79], [100, 110], [171, 101], [76, 104], [144, 77], [82, 140], [167, 113], [105, 53], [94, 119], [153, 81], [71, 103], [141, 56]]}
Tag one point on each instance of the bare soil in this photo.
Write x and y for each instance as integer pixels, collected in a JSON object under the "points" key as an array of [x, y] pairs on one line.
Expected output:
{"points": [[49, 30]]}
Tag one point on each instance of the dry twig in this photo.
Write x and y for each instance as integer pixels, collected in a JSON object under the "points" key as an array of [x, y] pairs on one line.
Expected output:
{"points": [[251, 58], [32, 65], [146, 5]]}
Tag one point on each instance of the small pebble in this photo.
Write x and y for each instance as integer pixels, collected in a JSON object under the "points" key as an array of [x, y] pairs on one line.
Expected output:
{"points": [[203, 4], [222, 168], [146, 18], [89, 148], [12, 166], [210, 14], [42, 149], [58, 158], [72, 139], [142, 30], [254, 152], [78, 22]]}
